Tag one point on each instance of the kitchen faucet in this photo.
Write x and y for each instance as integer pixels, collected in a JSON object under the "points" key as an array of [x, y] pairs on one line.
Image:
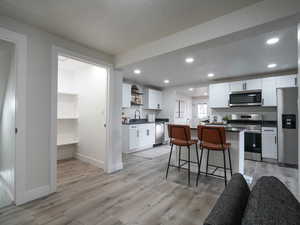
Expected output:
{"points": [[135, 116]]}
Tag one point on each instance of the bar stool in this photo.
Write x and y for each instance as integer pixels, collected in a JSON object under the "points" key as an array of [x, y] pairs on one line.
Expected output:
{"points": [[180, 135], [214, 139]]}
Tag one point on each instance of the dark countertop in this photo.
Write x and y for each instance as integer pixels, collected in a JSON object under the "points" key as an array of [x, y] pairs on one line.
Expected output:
{"points": [[228, 129], [145, 121]]}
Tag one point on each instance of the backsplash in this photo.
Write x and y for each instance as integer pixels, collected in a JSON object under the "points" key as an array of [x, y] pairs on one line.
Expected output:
{"points": [[268, 113], [129, 112]]}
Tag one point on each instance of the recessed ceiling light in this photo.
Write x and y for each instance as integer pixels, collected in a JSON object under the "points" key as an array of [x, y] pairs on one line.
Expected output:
{"points": [[210, 75], [137, 71], [272, 41], [205, 93], [191, 89], [272, 65], [166, 81], [189, 60]]}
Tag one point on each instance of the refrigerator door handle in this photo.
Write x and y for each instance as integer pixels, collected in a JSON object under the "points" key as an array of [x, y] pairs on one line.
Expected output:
{"points": [[275, 140]]}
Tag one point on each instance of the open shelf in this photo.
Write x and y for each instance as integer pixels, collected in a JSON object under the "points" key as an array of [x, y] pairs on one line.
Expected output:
{"points": [[68, 93], [68, 118], [67, 141]]}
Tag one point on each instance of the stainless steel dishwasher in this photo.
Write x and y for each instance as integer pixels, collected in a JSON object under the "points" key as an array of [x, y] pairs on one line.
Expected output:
{"points": [[159, 133]]}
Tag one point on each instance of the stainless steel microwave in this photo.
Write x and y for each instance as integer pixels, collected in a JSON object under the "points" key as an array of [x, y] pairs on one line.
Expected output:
{"points": [[245, 98]]}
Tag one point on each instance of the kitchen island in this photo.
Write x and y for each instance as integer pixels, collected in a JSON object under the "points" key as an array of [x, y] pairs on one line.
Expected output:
{"points": [[235, 136]]}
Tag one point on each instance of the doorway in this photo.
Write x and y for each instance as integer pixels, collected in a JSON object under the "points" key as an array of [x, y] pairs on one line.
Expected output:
{"points": [[7, 122], [81, 117]]}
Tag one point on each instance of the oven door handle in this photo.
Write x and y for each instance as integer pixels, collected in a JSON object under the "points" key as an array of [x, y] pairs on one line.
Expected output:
{"points": [[253, 131]]}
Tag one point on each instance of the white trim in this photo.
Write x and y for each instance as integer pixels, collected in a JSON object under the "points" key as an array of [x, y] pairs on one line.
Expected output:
{"points": [[37, 193], [20, 42], [115, 167], [56, 51], [84, 158], [6, 187]]}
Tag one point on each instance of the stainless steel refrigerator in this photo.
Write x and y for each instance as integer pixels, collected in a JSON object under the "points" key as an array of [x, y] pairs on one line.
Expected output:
{"points": [[287, 117]]}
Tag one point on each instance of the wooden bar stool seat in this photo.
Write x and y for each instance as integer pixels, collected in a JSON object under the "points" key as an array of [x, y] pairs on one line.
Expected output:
{"points": [[183, 143], [180, 135], [215, 147], [213, 138]]}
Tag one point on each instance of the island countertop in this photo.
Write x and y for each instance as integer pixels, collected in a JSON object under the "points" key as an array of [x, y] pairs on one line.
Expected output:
{"points": [[227, 128], [234, 136]]}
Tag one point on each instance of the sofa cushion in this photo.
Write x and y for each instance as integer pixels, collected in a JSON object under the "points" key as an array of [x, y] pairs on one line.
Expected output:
{"points": [[270, 202], [231, 204]]}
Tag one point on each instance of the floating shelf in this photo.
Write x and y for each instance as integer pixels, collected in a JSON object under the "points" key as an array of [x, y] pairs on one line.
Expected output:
{"points": [[133, 103]]}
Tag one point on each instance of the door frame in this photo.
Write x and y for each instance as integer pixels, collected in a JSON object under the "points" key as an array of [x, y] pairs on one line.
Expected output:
{"points": [[20, 42], [56, 51]]}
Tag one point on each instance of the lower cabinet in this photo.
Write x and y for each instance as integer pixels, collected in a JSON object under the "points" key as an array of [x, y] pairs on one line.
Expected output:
{"points": [[269, 143], [138, 137]]}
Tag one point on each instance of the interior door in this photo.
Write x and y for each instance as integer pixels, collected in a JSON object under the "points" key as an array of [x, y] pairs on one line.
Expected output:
{"points": [[92, 100]]}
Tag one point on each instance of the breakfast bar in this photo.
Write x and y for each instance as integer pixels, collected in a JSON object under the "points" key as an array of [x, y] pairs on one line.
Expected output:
{"points": [[234, 136]]}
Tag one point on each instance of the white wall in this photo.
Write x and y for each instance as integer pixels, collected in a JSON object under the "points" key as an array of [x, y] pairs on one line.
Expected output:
{"points": [[298, 105], [92, 81], [115, 159], [7, 120], [38, 100], [170, 95]]}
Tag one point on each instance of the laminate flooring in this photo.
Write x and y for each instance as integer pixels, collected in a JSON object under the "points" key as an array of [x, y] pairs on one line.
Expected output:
{"points": [[137, 195]]}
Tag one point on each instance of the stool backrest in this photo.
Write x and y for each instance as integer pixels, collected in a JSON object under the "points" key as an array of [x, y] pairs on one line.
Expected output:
{"points": [[212, 134], [181, 132]]}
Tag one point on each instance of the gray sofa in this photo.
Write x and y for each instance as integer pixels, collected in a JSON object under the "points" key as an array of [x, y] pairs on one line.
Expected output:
{"points": [[269, 203]]}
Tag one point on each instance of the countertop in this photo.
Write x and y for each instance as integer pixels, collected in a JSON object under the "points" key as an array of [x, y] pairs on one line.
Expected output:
{"points": [[145, 121], [228, 129]]}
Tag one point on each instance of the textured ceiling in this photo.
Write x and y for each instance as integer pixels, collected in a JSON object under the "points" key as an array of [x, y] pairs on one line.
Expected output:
{"points": [[248, 56], [116, 26]]}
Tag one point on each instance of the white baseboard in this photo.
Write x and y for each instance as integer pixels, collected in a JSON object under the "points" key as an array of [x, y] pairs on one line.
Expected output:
{"points": [[116, 167], [84, 158], [37, 193], [6, 187]]}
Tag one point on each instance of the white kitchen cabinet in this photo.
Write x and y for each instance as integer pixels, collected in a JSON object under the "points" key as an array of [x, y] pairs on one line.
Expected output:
{"points": [[286, 81], [254, 84], [153, 99], [236, 86], [269, 97], [269, 143], [138, 137], [219, 95], [246, 85], [126, 95], [147, 135], [134, 137]]}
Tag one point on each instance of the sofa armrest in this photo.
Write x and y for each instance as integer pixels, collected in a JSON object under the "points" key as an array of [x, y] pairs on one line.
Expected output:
{"points": [[230, 206]]}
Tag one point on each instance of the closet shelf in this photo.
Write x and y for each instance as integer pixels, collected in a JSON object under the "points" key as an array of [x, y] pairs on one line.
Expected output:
{"points": [[68, 118], [68, 93], [69, 141]]}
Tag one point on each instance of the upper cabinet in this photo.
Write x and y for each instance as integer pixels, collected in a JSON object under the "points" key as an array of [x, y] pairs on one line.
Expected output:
{"points": [[219, 95], [286, 81], [246, 85], [269, 97], [236, 86], [254, 84], [153, 99], [126, 95]]}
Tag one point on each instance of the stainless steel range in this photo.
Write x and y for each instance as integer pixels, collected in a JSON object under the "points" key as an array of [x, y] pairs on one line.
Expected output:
{"points": [[252, 123]]}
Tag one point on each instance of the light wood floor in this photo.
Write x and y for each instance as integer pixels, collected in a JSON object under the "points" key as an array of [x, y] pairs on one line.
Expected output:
{"points": [[137, 195]]}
